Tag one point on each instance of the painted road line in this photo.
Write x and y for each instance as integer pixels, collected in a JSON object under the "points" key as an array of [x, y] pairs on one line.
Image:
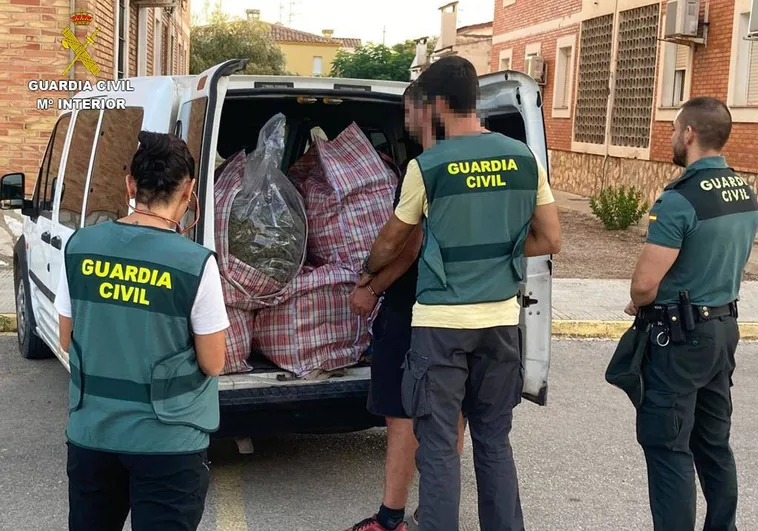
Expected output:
{"points": [[227, 485]]}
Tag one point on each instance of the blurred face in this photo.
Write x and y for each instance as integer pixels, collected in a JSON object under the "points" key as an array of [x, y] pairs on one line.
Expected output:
{"points": [[414, 120]]}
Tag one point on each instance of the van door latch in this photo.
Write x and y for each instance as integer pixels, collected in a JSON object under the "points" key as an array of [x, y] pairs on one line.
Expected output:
{"points": [[527, 301]]}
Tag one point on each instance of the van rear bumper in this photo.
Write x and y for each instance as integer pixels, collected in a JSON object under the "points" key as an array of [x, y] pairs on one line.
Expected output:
{"points": [[324, 407]]}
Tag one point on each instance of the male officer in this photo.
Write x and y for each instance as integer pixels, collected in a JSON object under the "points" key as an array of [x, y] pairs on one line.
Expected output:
{"points": [[396, 283], [685, 286], [485, 204]]}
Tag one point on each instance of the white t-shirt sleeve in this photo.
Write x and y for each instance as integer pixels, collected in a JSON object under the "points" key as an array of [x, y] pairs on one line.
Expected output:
{"points": [[209, 311], [62, 296]]}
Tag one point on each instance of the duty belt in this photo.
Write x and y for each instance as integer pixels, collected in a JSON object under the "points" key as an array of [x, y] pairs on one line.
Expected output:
{"points": [[661, 313], [672, 322]]}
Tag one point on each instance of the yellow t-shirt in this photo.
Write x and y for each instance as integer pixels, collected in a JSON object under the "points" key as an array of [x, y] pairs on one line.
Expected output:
{"points": [[411, 207]]}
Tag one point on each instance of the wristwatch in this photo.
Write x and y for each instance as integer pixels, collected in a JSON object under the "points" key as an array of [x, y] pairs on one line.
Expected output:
{"points": [[366, 269]]}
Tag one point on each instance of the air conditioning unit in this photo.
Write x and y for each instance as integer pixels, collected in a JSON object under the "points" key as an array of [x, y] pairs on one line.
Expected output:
{"points": [[534, 67], [752, 26], [682, 18]]}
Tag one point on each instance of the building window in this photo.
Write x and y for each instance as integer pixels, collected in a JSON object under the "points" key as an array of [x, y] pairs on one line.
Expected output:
{"points": [[158, 48], [564, 75], [595, 49], [506, 59], [675, 77], [142, 20], [318, 65], [745, 91], [123, 31], [635, 77], [171, 57]]}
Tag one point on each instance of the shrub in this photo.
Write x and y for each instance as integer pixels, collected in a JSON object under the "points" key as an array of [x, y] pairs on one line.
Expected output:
{"points": [[619, 207]]}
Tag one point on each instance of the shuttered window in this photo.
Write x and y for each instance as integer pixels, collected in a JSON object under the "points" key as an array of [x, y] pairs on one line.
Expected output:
{"points": [[752, 82], [682, 57]]}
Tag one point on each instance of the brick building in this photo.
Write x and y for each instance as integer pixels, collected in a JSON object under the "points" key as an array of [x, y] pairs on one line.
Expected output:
{"points": [[135, 37], [612, 85]]}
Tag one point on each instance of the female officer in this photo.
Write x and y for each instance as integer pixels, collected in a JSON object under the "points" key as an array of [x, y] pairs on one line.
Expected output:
{"points": [[142, 317]]}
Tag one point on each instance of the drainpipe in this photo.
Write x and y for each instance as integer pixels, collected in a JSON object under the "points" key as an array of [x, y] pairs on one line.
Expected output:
{"points": [[71, 11], [611, 95]]}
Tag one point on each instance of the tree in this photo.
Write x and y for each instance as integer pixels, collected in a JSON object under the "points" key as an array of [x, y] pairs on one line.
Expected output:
{"points": [[221, 38], [376, 61]]}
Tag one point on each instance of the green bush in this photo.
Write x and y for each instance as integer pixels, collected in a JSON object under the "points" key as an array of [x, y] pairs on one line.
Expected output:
{"points": [[619, 207]]}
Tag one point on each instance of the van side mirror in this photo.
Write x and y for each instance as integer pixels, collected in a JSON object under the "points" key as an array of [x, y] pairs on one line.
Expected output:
{"points": [[12, 191]]}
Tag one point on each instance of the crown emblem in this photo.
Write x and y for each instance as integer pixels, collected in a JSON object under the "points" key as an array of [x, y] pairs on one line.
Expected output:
{"points": [[81, 18]]}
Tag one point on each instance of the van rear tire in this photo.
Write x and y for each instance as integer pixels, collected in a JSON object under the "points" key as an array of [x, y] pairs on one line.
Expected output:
{"points": [[30, 344]]}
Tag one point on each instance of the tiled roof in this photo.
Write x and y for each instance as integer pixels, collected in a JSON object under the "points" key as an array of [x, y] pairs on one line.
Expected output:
{"points": [[284, 34], [349, 42]]}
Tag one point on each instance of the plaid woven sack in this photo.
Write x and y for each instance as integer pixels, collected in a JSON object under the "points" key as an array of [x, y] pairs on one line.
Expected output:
{"points": [[348, 192], [314, 329], [245, 288], [239, 340]]}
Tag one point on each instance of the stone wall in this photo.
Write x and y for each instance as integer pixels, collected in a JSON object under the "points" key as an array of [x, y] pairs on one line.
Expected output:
{"points": [[585, 175]]}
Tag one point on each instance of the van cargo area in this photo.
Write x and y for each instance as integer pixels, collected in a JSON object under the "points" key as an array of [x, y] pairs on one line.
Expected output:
{"points": [[337, 403]]}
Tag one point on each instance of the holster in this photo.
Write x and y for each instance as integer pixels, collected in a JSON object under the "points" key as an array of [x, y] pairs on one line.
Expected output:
{"points": [[625, 368]]}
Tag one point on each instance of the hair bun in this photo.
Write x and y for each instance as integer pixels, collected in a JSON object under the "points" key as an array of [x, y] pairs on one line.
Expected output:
{"points": [[156, 145]]}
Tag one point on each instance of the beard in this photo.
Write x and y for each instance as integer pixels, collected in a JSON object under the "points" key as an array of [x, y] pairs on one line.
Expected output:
{"points": [[680, 155]]}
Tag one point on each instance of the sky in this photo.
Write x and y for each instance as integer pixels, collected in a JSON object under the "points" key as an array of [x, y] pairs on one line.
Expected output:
{"points": [[403, 19]]}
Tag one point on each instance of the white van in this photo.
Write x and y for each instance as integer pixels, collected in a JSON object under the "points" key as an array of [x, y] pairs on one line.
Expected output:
{"points": [[81, 183]]}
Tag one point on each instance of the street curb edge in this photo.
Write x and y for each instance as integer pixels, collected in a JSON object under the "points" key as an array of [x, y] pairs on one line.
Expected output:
{"points": [[615, 329]]}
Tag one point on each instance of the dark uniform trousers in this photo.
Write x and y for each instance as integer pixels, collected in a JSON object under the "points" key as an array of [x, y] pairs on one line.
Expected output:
{"points": [[479, 372], [164, 492], [686, 417]]}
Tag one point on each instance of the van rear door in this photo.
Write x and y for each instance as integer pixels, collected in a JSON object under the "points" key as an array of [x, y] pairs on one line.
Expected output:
{"points": [[198, 124], [505, 94]]}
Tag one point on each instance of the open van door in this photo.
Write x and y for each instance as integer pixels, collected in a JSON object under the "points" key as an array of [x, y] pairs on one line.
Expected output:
{"points": [[511, 104], [198, 124]]}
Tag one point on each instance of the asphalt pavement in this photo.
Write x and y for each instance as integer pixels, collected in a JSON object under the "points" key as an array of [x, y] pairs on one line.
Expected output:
{"points": [[579, 465]]}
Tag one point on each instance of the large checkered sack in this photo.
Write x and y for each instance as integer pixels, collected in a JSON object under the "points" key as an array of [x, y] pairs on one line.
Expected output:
{"points": [[314, 329], [348, 192]]}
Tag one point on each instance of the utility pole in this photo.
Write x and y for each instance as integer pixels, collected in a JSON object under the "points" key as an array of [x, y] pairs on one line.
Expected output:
{"points": [[384, 36], [292, 12], [281, 11]]}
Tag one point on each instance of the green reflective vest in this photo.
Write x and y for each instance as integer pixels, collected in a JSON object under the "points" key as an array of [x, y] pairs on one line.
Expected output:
{"points": [[135, 383], [481, 192]]}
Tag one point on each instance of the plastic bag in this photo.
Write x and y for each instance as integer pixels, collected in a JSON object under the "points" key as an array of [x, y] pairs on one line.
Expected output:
{"points": [[267, 227]]}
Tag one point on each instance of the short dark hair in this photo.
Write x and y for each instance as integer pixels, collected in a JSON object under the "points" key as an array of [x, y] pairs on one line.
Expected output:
{"points": [[453, 79], [162, 162], [710, 119], [413, 92]]}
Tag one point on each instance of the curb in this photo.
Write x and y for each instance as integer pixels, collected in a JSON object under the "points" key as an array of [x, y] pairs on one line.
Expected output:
{"points": [[615, 329]]}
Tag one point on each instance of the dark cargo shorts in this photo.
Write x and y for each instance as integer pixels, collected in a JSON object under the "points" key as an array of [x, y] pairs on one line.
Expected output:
{"points": [[392, 340]]}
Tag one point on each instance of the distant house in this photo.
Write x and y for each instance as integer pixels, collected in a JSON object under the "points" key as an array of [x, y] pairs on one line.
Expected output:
{"points": [[474, 42], [349, 44], [306, 54]]}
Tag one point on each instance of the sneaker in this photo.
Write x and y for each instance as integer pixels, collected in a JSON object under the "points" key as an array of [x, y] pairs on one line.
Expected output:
{"points": [[372, 524]]}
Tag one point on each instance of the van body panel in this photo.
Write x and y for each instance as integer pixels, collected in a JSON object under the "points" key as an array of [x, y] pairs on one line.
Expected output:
{"points": [[502, 93]]}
